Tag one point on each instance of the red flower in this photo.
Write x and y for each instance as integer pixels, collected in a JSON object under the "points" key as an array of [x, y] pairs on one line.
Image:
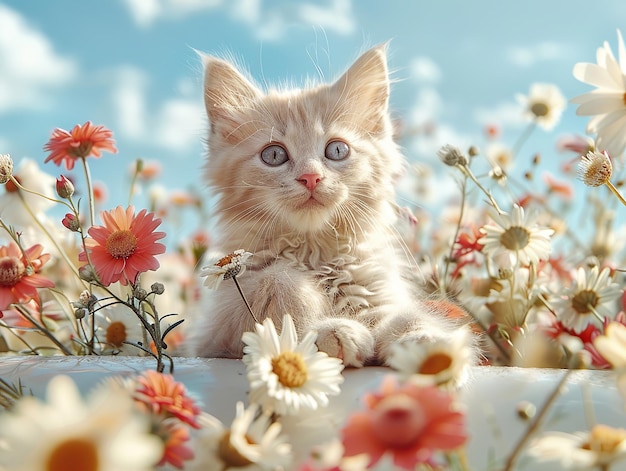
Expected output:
{"points": [[19, 274], [163, 395], [409, 422], [125, 246], [79, 143]]}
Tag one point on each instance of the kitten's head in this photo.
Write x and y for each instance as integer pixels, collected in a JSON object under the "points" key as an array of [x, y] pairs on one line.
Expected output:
{"points": [[302, 161]]}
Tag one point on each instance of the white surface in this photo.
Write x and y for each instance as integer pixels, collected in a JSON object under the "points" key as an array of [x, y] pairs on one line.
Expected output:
{"points": [[491, 397]]}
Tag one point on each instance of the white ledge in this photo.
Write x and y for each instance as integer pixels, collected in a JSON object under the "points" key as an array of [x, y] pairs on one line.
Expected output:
{"points": [[490, 397]]}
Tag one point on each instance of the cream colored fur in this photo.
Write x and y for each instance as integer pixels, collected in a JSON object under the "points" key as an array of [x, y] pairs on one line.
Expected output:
{"points": [[334, 262]]}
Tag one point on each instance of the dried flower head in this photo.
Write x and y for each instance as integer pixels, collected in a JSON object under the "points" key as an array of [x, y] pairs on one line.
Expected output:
{"points": [[451, 155], [595, 168], [6, 168]]}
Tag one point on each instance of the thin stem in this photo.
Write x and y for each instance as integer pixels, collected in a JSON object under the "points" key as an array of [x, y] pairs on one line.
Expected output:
{"points": [[523, 138], [616, 192], [245, 300], [92, 209], [43, 330], [534, 426], [456, 235], [466, 171], [41, 195]]}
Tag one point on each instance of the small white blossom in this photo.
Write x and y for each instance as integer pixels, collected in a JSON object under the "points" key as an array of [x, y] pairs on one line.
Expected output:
{"points": [[226, 267], [286, 375]]}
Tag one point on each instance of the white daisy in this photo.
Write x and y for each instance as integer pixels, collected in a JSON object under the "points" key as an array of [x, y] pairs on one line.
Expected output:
{"points": [[103, 433], [518, 236], [544, 104], [589, 299], [599, 447], [115, 325], [252, 443], [226, 267], [285, 375], [606, 102], [612, 345], [434, 363]]}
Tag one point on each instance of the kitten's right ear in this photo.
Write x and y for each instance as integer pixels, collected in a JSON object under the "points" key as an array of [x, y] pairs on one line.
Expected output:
{"points": [[226, 92]]}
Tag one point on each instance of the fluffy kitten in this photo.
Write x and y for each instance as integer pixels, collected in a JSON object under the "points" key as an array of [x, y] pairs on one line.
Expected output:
{"points": [[305, 180]]}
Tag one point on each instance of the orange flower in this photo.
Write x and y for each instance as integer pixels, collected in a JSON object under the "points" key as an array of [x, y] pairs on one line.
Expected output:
{"points": [[125, 246], [164, 395], [79, 143], [19, 274]]}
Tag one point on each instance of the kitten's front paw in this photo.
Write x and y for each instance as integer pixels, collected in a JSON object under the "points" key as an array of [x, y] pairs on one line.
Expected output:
{"points": [[347, 340]]}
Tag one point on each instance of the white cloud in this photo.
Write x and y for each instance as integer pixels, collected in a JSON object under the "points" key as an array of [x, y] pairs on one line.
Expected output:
{"points": [[509, 113], [527, 56], [265, 23], [180, 124], [33, 71], [176, 124], [427, 108], [130, 102], [146, 12], [425, 70], [336, 17]]}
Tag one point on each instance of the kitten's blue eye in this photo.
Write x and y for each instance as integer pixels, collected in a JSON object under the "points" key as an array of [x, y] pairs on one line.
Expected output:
{"points": [[274, 155], [337, 150]]}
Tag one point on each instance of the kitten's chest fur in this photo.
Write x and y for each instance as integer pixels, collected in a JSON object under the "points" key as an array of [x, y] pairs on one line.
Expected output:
{"points": [[354, 274]]}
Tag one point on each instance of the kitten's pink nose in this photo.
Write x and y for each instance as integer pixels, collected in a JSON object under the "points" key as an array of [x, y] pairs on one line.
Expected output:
{"points": [[310, 180]]}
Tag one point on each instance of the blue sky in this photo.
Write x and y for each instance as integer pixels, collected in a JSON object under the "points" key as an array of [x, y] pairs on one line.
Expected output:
{"points": [[130, 65]]}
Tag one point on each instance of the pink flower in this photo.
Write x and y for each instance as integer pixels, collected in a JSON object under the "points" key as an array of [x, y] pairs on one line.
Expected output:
{"points": [[79, 143], [125, 246], [19, 274], [176, 450], [163, 395], [408, 422]]}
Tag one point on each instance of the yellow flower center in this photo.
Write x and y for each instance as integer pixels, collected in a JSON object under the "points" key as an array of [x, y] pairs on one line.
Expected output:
{"points": [[229, 455], [435, 363], [76, 453], [11, 270], [121, 244], [116, 333], [290, 369], [539, 109], [584, 301], [604, 439], [515, 238]]}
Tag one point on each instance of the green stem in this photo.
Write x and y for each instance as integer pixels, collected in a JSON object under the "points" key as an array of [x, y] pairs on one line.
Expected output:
{"points": [[523, 138], [92, 208]]}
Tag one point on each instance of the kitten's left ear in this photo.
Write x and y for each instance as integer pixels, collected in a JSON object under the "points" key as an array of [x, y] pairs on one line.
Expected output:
{"points": [[364, 89]]}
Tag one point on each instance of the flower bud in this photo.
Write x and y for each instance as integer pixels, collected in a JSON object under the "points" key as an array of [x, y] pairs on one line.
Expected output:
{"points": [[140, 293], [65, 188], [157, 288], [71, 222], [6, 168]]}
